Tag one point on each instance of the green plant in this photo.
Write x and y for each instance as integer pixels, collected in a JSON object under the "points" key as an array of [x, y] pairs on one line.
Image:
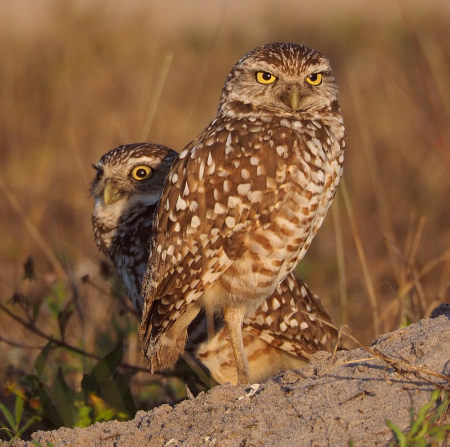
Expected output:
{"points": [[424, 430], [35, 443], [105, 393], [14, 426], [73, 387]]}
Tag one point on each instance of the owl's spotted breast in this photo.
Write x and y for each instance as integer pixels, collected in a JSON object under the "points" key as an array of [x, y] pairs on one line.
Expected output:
{"points": [[262, 194]]}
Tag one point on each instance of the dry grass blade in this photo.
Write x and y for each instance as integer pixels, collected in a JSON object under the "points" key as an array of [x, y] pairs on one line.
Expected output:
{"points": [[372, 166], [34, 232], [157, 95], [340, 260], [362, 258], [436, 104]]}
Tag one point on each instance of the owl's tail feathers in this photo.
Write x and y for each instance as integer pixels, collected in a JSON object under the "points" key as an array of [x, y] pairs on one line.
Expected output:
{"points": [[163, 351], [163, 348]]}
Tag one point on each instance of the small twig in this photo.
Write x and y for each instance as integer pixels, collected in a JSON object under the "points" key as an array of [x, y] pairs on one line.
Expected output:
{"points": [[87, 280], [193, 363], [321, 320], [62, 344], [402, 366], [333, 356], [18, 345], [188, 392], [352, 362], [399, 365]]}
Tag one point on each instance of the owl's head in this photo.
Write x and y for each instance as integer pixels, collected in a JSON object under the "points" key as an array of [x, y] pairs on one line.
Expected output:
{"points": [[282, 78], [129, 176]]}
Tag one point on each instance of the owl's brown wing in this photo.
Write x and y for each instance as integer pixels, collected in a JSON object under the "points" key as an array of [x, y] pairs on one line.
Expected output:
{"points": [[294, 320], [218, 196]]}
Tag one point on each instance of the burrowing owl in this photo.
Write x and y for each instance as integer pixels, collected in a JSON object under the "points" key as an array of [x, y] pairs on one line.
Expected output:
{"points": [[243, 201], [287, 328], [126, 189]]}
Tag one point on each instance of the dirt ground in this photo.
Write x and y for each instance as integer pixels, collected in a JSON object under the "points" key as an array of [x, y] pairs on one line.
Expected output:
{"points": [[322, 404]]}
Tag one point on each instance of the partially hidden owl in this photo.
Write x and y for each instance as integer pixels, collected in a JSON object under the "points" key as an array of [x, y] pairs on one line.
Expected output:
{"points": [[244, 199], [286, 329]]}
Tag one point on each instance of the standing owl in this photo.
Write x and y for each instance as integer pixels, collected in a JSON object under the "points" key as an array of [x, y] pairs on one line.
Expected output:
{"points": [[286, 330], [243, 201]]}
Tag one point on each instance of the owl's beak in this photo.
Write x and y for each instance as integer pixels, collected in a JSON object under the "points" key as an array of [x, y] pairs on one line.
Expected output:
{"points": [[110, 193], [292, 99]]}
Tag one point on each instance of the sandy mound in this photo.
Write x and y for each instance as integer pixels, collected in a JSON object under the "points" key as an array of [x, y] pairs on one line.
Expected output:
{"points": [[319, 405]]}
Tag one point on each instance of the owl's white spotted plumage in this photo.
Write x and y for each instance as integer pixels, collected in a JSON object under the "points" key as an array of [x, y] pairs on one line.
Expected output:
{"points": [[285, 331], [244, 200]]}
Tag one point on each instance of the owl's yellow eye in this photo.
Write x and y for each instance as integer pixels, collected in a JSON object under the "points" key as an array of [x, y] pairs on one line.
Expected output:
{"points": [[263, 77], [141, 172], [314, 79]]}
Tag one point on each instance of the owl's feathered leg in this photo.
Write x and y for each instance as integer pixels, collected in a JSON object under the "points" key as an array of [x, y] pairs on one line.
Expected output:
{"points": [[234, 317]]}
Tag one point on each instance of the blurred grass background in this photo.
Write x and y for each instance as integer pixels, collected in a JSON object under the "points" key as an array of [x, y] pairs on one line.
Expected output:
{"points": [[78, 78]]}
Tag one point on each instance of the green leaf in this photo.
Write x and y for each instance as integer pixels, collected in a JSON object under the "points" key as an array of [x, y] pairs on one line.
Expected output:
{"points": [[41, 360], [38, 444], [63, 321], [64, 398], [26, 426], [401, 438], [124, 391], [9, 417], [55, 301], [106, 415], [36, 309], [89, 384], [8, 431], [102, 371], [48, 410], [84, 416], [18, 410], [423, 431]]}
